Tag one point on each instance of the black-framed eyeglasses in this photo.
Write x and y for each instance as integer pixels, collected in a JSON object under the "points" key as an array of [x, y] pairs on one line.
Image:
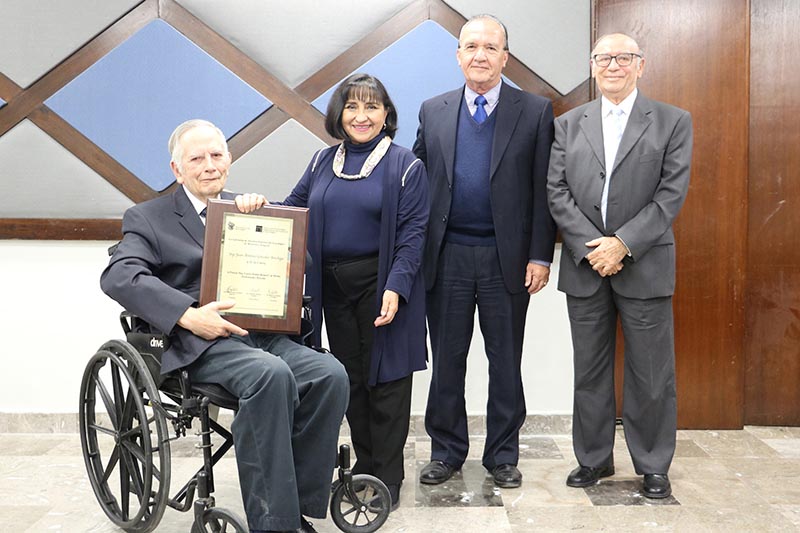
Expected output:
{"points": [[623, 60]]}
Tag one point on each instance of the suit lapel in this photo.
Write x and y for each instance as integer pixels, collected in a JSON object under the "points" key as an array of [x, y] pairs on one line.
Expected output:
{"points": [[592, 127], [637, 124], [509, 108], [188, 216], [451, 105]]}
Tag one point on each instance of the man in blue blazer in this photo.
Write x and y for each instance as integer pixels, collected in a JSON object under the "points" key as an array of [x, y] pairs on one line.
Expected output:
{"points": [[619, 174], [489, 243], [291, 398]]}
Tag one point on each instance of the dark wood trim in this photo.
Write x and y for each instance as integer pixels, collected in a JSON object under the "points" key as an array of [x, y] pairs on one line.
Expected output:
{"points": [[364, 50], [61, 229], [8, 89], [29, 99], [243, 66], [258, 130], [577, 96], [405, 21], [92, 155]]}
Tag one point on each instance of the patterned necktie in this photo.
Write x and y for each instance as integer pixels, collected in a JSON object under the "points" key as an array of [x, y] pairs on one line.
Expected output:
{"points": [[480, 112], [203, 215], [617, 124]]}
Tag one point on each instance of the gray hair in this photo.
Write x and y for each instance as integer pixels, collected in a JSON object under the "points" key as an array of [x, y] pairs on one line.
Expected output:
{"points": [[175, 147], [486, 16]]}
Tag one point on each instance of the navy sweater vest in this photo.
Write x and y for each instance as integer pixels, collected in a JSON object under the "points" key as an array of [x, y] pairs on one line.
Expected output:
{"points": [[470, 220]]}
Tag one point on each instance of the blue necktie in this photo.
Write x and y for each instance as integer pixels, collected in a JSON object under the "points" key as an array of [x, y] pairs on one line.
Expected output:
{"points": [[480, 112], [203, 215]]}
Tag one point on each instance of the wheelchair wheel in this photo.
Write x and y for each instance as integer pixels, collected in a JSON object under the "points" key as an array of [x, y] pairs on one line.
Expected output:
{"points": [[216, 520], [124, 438], [362, 511]]}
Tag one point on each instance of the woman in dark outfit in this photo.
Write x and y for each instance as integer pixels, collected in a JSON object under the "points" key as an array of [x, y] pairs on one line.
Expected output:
{"points": [[368, 201]]}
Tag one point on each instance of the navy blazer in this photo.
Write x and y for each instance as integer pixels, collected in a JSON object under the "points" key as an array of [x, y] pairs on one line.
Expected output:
{"points": [[155, 271], [523, 134]]}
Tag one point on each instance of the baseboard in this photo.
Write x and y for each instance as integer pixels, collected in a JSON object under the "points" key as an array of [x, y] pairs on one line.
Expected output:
{"points": [[535, 424]]}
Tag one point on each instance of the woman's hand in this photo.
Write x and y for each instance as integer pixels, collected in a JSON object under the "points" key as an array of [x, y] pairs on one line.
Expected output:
{"points": [[391, 300]]}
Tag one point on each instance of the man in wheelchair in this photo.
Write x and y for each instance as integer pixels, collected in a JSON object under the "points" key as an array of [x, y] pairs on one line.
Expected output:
{"points": [[291, 399]]}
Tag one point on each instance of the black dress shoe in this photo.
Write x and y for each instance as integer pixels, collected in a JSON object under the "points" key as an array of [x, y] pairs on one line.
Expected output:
{"points": [[436, 472], [586, 476], [656, 486], [507, 476]]}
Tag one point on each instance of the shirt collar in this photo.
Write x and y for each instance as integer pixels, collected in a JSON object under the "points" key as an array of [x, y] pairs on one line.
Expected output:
{"points": [[492, 96], [626, 105], [197, 203]]}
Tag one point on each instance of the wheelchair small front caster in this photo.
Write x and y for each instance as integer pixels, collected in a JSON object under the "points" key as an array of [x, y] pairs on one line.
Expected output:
{"points": [[360, 503], [217, 520]]}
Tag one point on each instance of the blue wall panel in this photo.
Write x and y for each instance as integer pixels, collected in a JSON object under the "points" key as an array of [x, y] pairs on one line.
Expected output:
{"points": [[130, 100]]}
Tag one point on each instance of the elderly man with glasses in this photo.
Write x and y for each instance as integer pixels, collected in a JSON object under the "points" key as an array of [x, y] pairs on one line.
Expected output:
{"points": [[619, 174]]}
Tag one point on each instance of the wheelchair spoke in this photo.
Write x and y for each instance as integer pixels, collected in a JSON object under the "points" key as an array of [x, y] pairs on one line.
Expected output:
{"points": [[105, 431], [139, 453], [119, 394], [112, 462], [135, 483], [107, 401], [352, 509], [124, 492]]}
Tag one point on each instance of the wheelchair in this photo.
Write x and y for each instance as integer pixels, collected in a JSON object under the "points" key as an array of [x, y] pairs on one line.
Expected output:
{"points": [[126, 409]]}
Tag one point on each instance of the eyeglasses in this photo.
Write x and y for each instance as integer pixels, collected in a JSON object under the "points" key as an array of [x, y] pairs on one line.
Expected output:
{"points": [[623, 60]]}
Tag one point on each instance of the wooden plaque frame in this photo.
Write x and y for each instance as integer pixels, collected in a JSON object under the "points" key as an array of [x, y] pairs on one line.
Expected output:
{"points": [[213, 256]]}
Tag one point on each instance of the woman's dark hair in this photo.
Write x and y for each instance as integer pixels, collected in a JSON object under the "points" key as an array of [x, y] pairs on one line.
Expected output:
{"points": [[365, 88]]}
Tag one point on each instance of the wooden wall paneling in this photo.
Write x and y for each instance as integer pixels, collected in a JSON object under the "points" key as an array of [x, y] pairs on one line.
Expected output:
{"points": [[92, 155], [29, 99], [696, 58], [364, 50], [8, 89], [29, 103], [772, 341], [85, 229], [244, 67]]}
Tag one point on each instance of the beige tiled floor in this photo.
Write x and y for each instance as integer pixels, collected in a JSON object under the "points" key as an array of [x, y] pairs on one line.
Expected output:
{"points": [[727, 481]]}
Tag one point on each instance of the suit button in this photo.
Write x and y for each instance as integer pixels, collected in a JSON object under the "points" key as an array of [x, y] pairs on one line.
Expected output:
{"points": [[444, 219], [602, 175], [596, 207]]}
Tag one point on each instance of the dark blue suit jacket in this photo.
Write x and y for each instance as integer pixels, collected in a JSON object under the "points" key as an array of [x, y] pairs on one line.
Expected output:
{"points": [[155, 271], [523, 134]]}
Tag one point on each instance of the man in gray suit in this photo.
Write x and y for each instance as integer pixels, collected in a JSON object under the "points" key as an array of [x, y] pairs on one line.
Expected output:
{"points": [[619, 173], [291, 398]]}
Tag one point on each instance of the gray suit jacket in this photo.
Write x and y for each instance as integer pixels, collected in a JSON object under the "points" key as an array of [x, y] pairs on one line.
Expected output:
{"points": [[155, 271], [523, 134], [648, 187]]}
